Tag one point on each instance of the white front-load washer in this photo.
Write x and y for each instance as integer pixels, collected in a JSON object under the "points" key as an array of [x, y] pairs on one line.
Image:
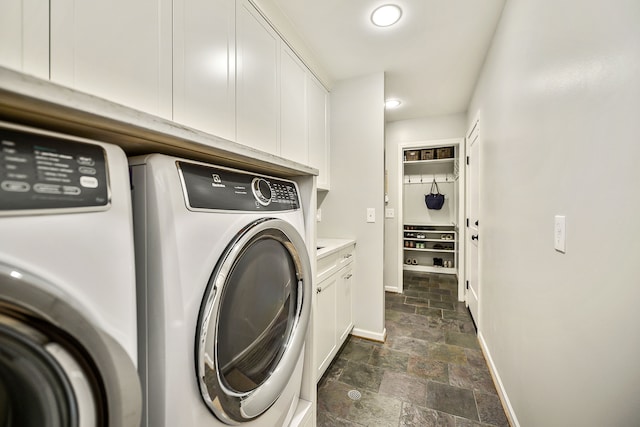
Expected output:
{"points": [[224, 291], [68, 346]]}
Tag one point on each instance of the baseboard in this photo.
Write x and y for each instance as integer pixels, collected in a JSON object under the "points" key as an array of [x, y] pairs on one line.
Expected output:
{"points": [[373, 336], [392, 289], [513, 420]]}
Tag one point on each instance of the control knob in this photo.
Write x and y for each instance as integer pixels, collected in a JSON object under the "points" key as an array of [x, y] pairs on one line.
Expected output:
{"points": [[261, 191]]}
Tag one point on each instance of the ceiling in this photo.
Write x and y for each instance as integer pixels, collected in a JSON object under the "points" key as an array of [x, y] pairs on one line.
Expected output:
{"points": [[431, 58]]}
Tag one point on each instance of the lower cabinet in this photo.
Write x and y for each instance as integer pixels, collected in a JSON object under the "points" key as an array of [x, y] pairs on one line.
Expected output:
{"points": [[333, 319], [344, 317], [325, 323]]}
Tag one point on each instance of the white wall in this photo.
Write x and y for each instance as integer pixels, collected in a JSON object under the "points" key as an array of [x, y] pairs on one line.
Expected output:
{"points": [[559, 102], [357, 179], [423, 129]]}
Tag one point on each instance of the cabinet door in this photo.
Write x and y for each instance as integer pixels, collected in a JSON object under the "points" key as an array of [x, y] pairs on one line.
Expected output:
{"points": [[24, 36], [344, 302], [119, 50], [204, 65], [318, 119], [293, 127], [325, 323], [257, 101]]}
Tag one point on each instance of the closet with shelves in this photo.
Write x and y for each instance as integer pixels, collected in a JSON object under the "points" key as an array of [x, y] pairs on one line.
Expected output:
{"points": [[430, 248], [430, 238]]}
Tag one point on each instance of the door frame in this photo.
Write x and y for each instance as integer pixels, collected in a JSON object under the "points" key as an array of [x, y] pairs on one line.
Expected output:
{"points": [[460, 147], [474, 124]]}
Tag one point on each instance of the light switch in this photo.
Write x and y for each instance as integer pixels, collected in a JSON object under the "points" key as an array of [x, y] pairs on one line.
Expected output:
{"points": [[319, 215], [559, 233], [371, 214], [389, 213]]}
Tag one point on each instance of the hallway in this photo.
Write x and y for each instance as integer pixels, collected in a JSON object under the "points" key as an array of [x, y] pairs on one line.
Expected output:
{"points": [[429, 373]]}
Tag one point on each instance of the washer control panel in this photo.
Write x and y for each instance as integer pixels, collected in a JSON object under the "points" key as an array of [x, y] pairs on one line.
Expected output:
{"points": [[218, 188], [41, 171]]}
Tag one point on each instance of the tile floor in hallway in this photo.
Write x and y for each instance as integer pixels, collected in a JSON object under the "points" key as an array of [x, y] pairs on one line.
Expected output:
{"points": [[429, 372]]}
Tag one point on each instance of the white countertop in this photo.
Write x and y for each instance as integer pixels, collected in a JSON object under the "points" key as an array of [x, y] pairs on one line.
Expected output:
{"points": [[329, 246]]}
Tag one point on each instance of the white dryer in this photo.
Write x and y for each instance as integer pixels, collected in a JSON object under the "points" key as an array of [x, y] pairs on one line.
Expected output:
{"points": [[68, 347], [225, 287]]}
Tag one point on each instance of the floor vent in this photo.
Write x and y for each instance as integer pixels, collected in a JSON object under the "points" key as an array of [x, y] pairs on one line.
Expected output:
{"points": [[354, 395]]}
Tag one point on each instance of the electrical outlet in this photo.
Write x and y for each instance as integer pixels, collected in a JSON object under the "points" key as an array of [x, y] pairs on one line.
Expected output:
{"points": [[389, 213], [371, 214], [559, 233]]}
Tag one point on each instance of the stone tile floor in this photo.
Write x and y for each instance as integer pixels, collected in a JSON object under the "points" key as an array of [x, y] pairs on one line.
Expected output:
{"points": [[430, 372]]}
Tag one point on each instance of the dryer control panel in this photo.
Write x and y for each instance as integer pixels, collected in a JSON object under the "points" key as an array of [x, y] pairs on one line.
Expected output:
{"points": [[218, 188]]}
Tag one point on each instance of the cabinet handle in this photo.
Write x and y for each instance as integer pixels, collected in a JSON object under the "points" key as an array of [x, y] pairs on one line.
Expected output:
{"points": [[318, 290], [349, 276], [348, 256], [474, 237]]}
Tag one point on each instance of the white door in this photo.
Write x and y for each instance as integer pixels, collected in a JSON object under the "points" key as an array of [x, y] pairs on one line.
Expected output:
{"points": [[344, 314], [318, 120], [293, 126], [119, 50], [325, 326], [257, 95], [472, 294], [204, 86]]}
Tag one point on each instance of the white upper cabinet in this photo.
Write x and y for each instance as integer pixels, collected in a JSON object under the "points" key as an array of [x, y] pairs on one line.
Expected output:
{"points": [[119, 50], [204, 65], [24, 36], [217, 66], [293, 127], [257, 84], [318, 124]]}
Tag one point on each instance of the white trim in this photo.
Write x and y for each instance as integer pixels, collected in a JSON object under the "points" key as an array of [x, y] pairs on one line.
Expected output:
{"points": [[467, 248], [461, 237], [392, 289], [374, 336], [502, 393]]}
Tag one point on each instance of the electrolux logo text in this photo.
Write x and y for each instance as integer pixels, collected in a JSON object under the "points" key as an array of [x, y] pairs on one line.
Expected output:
{"points": [[217, 181]]}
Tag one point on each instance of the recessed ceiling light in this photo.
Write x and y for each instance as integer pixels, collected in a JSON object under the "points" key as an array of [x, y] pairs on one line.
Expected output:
{"points": [[392, 103], [386, 15]]}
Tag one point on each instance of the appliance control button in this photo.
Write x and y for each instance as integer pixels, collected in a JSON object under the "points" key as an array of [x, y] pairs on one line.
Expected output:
{"points": [[15, 186], [88, 182]]}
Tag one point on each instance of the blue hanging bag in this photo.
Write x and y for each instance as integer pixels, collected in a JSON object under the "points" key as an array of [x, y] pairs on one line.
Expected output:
{"points": [[434, 200]]}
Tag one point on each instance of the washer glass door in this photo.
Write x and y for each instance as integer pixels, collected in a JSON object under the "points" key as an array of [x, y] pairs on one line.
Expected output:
{"points": [[253, 320], [42, 384]]}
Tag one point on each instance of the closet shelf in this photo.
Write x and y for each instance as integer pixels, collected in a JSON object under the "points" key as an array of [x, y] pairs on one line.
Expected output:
{"points": [[449, 251], [429, 269], [415, 224], [419, 239], [429, 162]]}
